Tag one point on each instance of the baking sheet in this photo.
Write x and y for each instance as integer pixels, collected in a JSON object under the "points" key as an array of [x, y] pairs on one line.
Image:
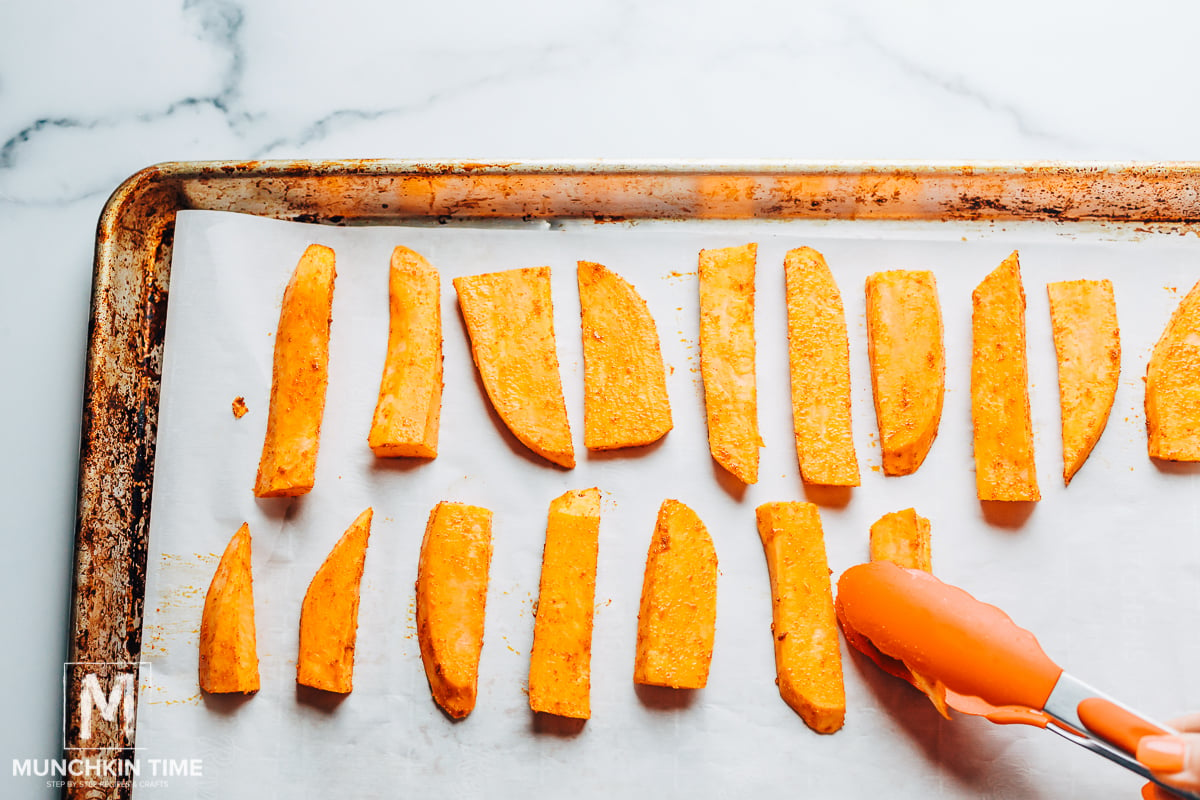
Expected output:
{"points": [[1106, 573]]}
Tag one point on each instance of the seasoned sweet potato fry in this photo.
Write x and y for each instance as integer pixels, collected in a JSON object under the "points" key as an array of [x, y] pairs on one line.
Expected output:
{"points": [[410, 392], [510, 319], [727, 358], [1173, 385], [329, 614], [808, 657], [819, 358], [452, 579], [1087, 340], [678, 613], [560, 663], [902, 537], [298, 379], [908, 365], [228, 653], [624, 383], [1004, 465]]}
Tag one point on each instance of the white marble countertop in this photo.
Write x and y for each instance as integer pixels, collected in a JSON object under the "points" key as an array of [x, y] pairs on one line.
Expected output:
{"points": [[92, 92]]}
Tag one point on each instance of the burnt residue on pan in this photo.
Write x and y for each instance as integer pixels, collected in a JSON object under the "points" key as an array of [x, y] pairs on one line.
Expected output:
{"points": [[129, 306]]}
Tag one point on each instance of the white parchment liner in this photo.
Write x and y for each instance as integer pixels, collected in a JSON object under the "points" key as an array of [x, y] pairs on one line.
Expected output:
{"points": [[1106, 573]]}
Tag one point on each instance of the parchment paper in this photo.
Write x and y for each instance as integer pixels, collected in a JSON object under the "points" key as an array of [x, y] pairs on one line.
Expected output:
{"points": [[1106, 572]]}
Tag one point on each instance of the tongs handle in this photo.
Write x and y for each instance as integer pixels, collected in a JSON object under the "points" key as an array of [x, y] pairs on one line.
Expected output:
{"points": [[1122, 729], [1116, 725]]}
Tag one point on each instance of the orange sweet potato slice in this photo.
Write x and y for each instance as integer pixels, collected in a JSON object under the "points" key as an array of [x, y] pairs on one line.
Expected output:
{"points": [[727, 358], [1173, 385], [329, 614], [299, 378], [1083, 315], [808, 657], [410, 392], [560, 673], [510, 319], [1004, 463], [624, 382], [819, 359], [908, 365], [228, 653], [902, 537], [678, 613], [452, 579]]}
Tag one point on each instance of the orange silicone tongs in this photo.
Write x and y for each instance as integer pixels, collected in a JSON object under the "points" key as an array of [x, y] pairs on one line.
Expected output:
{"points": [[972, 657]]}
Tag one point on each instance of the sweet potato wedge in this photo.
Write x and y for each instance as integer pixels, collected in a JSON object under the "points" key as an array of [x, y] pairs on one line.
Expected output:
{"points": [[808, 657], [228, 653], [624, 382], [452, 579], [510, 319], [908, 365], [902, 537], [727, 358], [1173, 386], [299, 378], [1004, 463], [678, 613], [329, 613], [1083, 315], [410, 393], [819, 359], [560, 662]]}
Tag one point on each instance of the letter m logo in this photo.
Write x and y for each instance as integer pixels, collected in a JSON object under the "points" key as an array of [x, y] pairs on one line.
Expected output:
{"points": [[100, 704], [91, 698]]}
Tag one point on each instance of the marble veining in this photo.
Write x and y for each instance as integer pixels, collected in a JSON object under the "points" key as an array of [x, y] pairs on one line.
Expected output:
{"points": [[624, 80], [957, 88]]}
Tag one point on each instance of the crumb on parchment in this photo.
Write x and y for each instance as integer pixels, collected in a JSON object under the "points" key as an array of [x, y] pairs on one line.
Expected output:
{"points": [[239, 407]]}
